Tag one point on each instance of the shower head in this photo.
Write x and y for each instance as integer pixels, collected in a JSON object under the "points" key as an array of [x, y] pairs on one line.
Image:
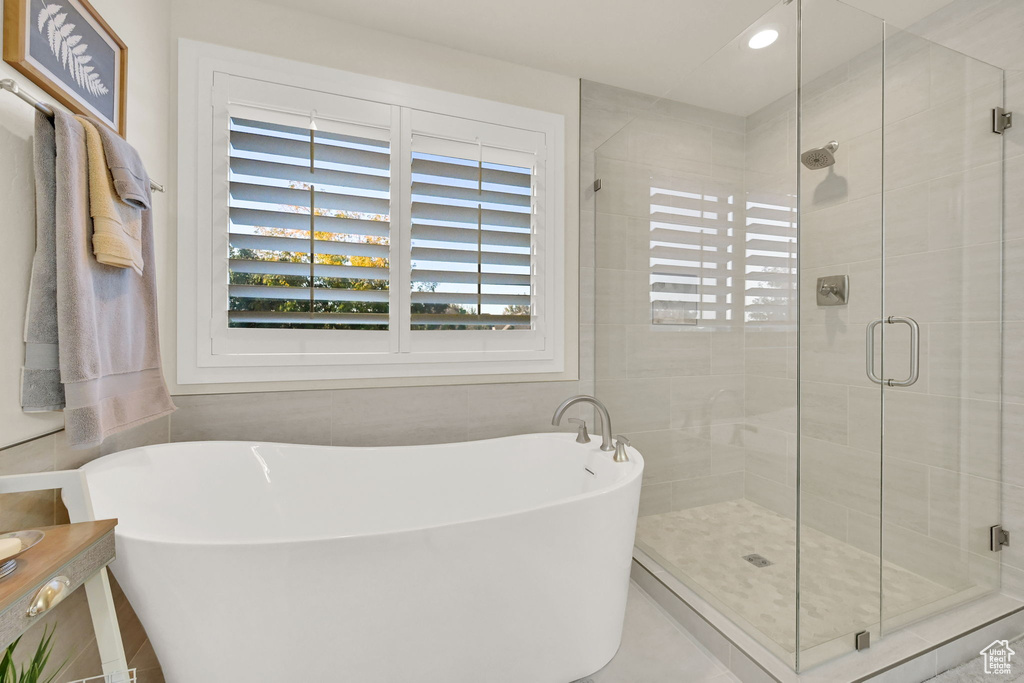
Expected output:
{"points": [[820, 157]]}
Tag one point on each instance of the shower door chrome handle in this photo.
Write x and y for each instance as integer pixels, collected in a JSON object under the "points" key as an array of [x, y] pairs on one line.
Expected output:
{"points": [[915, 351], [869, 351]]}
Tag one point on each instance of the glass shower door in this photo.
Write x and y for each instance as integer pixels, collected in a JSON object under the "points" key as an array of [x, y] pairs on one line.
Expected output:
{"points": [[841, 105], [940, 332]]}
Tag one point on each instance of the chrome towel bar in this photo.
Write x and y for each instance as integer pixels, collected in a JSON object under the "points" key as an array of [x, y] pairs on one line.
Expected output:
{"points": [[12, 87]]}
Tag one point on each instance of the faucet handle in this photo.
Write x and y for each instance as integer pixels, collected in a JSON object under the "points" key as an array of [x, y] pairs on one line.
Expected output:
{"points": [[620, 449], [582, 436]]}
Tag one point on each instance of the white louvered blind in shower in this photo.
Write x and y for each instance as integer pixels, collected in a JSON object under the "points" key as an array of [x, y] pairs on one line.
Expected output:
{"points": [[471, 236], [309, 226], [717, 260], [695, 244], [770, 258]]}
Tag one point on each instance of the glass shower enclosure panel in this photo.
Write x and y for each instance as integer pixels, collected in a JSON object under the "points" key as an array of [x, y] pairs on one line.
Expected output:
{"points": [[941, 329], [696, 286], [840, 247]]}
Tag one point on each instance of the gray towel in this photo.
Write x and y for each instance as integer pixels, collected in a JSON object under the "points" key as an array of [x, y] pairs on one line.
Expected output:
{"points": [[106, 317], [131, 181], [41, 389]]}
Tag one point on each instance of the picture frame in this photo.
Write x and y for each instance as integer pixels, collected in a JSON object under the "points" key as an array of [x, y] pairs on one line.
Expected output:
{"points": [[67, 49]]}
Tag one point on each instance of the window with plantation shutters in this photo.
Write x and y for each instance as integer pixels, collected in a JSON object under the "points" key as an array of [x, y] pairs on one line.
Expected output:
{"points": [[358, 228]]}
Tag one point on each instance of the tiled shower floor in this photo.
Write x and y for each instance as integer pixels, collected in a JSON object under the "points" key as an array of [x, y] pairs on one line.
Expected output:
{"points": [[839, 583]]}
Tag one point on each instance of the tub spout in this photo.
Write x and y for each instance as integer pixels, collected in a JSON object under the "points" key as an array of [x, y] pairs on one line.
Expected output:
{"points": [[607, 443]]}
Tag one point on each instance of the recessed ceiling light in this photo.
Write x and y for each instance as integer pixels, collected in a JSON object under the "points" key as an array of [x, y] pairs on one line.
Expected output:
{"points": [[763, 38]]}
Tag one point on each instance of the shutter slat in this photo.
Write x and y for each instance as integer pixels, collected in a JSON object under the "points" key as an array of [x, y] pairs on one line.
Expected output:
{"points": [[470, 299], [299, 150], [469, 320], [265, 194], [461, 277], [770, 261], [469, 216], [695, 255], [471, 173], [302, 174], [302, 269], [301, 246], [770, 245], [302, 293], [436, 233], [297, 221], [456, 256], [470, 194], [299, 318]]}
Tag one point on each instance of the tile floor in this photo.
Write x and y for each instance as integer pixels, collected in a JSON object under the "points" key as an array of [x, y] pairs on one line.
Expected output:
{"points": [[839, 583], [656, 650]]}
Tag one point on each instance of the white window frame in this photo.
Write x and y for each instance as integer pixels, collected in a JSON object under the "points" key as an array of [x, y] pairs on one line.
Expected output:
{"points": [[210, 352]]}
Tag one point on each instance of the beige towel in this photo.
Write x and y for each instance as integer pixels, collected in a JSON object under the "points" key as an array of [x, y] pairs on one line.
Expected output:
{"points": [[117, 226]]}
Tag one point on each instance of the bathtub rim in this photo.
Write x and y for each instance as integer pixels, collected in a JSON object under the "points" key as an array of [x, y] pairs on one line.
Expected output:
{"points": [[636, 462]]}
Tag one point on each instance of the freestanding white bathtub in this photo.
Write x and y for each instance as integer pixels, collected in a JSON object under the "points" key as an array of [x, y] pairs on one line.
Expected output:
{"points": [[500, 561]]}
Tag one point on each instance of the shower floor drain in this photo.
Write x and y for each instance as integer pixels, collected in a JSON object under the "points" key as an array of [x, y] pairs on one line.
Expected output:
{"points": [[756, 560]]}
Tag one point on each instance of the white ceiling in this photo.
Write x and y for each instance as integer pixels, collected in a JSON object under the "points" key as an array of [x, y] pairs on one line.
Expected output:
{"points": [[641, 45], [650, 46]]}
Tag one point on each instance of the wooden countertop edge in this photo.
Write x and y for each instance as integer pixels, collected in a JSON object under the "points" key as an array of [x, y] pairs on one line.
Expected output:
{"points": [[61, 544]]}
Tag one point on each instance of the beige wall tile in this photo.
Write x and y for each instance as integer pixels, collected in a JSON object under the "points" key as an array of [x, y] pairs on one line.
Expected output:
{"points": [[286, 416], [905, 494], [410, 415], [667, 351], [770, 494], [655, 499], [964, 360], [824, 515], [846, 476], [698, 402], [824, 411], [689, 493], [637, 405], [672, 454], [770, 402]]}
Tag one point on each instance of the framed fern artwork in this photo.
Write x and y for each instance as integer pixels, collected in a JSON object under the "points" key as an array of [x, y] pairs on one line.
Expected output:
{"points": [[67, 49]]}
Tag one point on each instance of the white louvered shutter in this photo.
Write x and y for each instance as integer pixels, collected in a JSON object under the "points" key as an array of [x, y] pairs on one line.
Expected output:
{"points": [[309, 230], [471, 236]]}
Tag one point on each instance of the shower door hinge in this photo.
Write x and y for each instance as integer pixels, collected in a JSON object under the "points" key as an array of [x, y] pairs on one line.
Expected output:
{"points": [[998, 537], [1001, 120], [597, 185], [862, 640]]}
